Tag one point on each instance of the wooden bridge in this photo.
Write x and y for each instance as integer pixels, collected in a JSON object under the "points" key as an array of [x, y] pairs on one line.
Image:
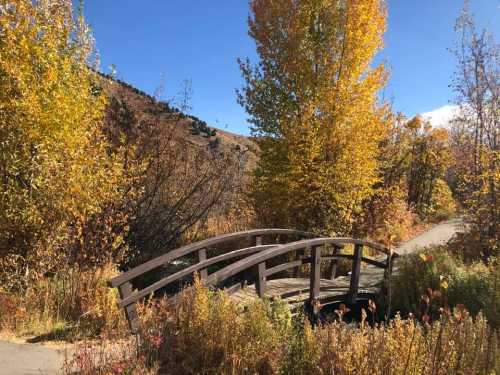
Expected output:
{"points": [[290, 264]]}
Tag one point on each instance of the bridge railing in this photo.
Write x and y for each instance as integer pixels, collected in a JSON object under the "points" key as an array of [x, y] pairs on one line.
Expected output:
{"points": [[123, 282], [259, 260], [254, 258]]}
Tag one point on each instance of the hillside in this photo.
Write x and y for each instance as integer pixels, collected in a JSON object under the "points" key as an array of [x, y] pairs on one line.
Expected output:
{"points": [[190, 128]]}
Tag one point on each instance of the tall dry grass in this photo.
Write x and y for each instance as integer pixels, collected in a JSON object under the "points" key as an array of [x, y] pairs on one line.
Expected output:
{"points": [[67, 305], [207, 333]]}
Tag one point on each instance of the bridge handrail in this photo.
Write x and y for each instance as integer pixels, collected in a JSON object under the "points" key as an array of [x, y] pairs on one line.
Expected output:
{"points": [[305, 260], [191, 248], [253, 260], [315, 259], [356, 241], [189, 271]]}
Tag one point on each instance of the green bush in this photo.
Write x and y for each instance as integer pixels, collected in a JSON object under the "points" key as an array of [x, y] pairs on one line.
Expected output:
{"points": [[447, 281]]}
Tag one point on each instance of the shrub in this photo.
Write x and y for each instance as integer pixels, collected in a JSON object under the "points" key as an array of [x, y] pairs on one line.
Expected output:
{"points": [[70, 304], [454, 344], [60, 181], [207, 333], [444, 280], [386, 217], [443, 205]]}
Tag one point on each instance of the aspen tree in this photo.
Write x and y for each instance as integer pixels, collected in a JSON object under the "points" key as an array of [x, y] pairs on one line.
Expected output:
{"points": [[312, 101]]}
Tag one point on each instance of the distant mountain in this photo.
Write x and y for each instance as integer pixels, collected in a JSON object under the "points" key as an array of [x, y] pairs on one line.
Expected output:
{"points": [[441, 117]]}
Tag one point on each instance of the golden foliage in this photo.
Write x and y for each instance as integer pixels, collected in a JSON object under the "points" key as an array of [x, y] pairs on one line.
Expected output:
{"points": [[56, 169], [313, 105], [208, 333]]}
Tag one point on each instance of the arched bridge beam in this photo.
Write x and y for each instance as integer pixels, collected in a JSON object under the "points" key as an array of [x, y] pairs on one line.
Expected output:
{"points": [[123, 281]]}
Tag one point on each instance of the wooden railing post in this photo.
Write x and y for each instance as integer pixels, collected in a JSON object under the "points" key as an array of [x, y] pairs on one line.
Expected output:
{"points": [[387, 285], [356, 269], [258, 240], [298, 256], [202, 256], [388, 266], [332, 270], [260, 285], [125, 291], [315, 278]]}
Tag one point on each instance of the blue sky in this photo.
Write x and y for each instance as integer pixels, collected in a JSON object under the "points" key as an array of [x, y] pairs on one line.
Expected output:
{"points": [[151, 42]]}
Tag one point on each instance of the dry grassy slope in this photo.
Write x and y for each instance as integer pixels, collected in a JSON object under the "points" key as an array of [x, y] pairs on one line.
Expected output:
{"points": [[144, 105]]}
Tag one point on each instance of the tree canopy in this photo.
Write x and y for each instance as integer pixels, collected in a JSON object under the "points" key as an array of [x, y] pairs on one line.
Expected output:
{"points": [[313, 104]]}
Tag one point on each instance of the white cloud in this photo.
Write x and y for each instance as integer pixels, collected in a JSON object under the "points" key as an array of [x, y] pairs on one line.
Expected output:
{"points": [[441, 117]]}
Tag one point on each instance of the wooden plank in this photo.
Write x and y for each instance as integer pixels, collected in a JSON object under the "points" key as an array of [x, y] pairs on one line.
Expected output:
{"points": [[249, 275], [298, 256], [355, 241], [189, 270], [293, 290], [258, 240], [235, 268], [125, 290], [355, 273], [370, 261], [202, 256], [374, 262], [389, 265], [233, 288], [338, 256]]}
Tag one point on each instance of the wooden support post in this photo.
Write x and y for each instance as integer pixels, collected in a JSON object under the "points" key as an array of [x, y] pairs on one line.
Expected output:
{"points": [[202, 256], [249, 274], [315, 279], [356, 269], [260, 285], [298, 256], [332, 271], [388, 266], [393, 258], [258, 240], [387, 286], [125, 291]]}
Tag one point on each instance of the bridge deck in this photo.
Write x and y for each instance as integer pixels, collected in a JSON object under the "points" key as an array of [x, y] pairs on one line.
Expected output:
{"points": [[295, 290]]}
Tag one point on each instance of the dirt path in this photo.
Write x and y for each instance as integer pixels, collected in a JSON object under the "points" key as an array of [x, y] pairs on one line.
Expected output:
{"points": [[27, 359], [437, 235]]}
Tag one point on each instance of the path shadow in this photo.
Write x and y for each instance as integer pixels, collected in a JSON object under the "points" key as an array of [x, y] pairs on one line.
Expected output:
{"points": [[58, 334]]}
